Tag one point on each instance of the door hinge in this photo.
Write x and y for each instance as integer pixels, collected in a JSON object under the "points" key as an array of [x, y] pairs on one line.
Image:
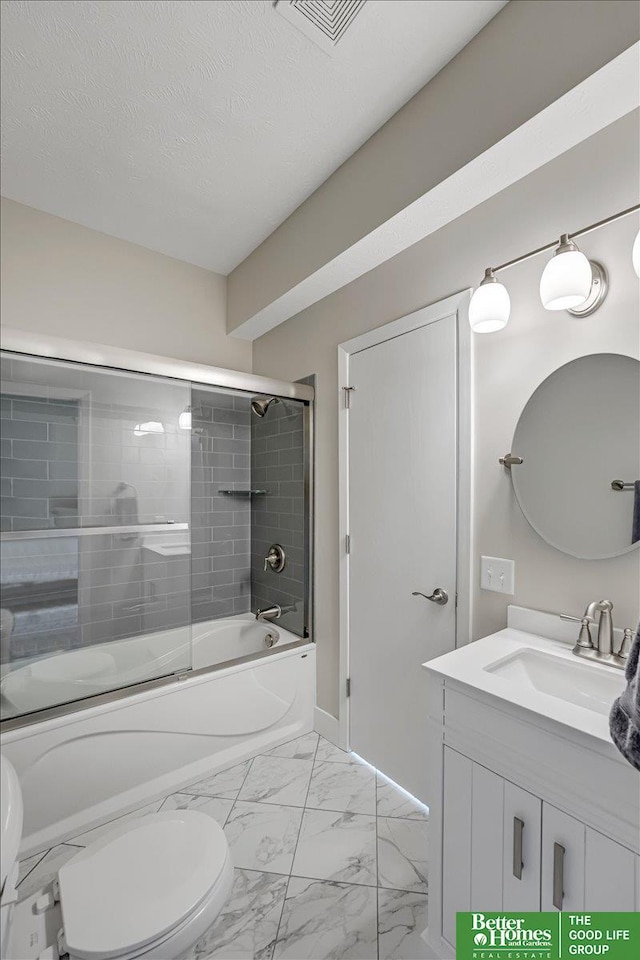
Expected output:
{"points": [[347, 396], [347, 543], [348, 686]]}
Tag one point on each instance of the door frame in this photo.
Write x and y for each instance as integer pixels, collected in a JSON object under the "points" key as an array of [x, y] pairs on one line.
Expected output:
{"points": [[457, 307]]}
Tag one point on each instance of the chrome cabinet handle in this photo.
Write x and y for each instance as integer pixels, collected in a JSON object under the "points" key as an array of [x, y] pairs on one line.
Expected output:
{"points": [[438, 596], [518, 827], [558, 875]]}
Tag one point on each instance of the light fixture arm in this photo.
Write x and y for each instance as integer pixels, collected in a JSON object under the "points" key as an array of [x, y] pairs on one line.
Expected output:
{"points": [[568, 237]]}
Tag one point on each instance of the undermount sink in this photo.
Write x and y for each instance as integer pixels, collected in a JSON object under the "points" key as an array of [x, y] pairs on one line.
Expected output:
{"points": [[592, 687]]}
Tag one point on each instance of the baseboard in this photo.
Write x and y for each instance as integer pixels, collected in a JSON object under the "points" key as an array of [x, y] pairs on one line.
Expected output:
{"points": [[326, 725]]}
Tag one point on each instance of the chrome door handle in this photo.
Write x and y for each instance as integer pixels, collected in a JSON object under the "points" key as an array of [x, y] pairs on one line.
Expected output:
{"points": [[438, 596]]}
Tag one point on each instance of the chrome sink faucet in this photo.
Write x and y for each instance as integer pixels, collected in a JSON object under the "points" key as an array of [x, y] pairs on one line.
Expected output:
{"points": [[604, 649]]}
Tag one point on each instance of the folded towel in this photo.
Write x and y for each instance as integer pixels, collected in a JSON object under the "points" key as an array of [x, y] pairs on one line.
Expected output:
{"points": [[624, 719], [635, 526]]}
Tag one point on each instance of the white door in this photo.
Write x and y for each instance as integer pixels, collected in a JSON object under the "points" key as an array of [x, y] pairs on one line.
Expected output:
{"points": [[402, 427]]}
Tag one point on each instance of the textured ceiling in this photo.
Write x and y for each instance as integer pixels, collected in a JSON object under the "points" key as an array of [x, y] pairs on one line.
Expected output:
{"points": [[195, 128]]}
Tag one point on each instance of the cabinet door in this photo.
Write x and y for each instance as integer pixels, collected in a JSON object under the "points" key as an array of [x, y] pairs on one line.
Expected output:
{"points": [[522, 843], [456, 840], [486, 839], [609, 874], [563, 850]]}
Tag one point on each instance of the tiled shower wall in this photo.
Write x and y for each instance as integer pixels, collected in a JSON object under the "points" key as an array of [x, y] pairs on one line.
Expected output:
{"points": [[39, 462], [277, 466], [220, 523]]}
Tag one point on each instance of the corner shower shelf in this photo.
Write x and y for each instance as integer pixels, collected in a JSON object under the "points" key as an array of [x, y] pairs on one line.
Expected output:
{"points": [[244, 493]]}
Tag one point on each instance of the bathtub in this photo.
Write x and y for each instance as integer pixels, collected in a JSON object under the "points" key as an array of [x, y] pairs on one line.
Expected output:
{"points": [[72, 675], [84, 767]]}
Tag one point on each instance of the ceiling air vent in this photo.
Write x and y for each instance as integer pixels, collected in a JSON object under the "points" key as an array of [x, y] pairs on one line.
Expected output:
{"points": [[323, 21]]}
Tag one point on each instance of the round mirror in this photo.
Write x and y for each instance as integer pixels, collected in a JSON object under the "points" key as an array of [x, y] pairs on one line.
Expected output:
{"points": [[579, 438]]}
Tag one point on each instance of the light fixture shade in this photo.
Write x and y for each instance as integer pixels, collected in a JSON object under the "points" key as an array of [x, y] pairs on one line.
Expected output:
{"points": [[635, 254], [490, 306], [566, 279], [184, 420], [151, 426]]}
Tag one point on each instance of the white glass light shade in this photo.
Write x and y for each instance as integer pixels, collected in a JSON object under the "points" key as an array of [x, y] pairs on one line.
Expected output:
{"points": [[565, 281], [489, 308], [635, 254], [184, 420], [151, 426]]}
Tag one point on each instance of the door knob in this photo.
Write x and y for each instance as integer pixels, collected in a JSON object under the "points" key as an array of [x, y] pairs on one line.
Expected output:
{"points": [[438, 596]]}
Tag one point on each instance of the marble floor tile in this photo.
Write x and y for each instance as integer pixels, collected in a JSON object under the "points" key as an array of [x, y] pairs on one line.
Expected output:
{"points": [[329, 751], [26, 866], [337, 846], [247, 925], [225, 783], [402, 854], [277, 780], [402, 920], [324, 920], [263, 836], [217, 807], [84, 839], [45, 871], [392, 802], [302, 748], [342, 786]]}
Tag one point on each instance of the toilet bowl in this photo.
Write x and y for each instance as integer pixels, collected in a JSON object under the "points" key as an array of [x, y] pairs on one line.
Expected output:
{"points": [[147, 888]]}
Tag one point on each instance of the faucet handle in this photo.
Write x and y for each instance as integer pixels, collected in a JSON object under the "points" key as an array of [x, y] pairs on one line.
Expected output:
{"points": [[627, 639], [584, 637]]}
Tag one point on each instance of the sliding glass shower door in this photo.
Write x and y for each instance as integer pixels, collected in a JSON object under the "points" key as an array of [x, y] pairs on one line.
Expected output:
{"points": [[95, 531]]}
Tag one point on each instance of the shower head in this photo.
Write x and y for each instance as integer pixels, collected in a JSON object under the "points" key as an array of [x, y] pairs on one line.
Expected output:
{"points": [[260, 405]]}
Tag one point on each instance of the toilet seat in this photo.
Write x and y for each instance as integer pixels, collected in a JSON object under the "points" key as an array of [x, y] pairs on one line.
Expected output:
{"points": [[148, 884]]}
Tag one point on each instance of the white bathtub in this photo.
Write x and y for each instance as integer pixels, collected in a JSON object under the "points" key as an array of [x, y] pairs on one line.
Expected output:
{"points": [[85, 672], [90, 765]]}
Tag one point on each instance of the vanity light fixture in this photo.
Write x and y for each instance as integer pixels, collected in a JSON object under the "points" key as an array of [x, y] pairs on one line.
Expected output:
{"points": [[490, 305], [570, 281], [566, 280]]}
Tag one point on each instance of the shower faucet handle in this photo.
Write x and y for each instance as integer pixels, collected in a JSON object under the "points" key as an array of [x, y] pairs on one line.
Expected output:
{"points": [[276, 558]]}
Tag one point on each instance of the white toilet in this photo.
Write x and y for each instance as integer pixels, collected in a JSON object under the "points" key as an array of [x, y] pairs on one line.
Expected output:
{"points": [[148, 888]]}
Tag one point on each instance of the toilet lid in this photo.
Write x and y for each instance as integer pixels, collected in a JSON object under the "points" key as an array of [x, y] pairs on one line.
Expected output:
{"points": [[138, 882]]}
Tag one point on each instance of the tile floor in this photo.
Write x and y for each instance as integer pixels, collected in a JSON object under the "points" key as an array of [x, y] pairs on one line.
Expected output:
{"points": [[330, 858]]}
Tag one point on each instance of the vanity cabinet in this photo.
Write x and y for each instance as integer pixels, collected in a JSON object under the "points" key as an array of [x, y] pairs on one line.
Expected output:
{"points": [[506, 849]]}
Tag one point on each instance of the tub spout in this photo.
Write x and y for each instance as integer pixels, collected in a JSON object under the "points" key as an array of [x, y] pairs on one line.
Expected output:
{"points": [[269, 613]]}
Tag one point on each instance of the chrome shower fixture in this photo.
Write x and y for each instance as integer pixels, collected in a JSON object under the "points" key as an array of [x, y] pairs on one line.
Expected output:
{"points": [[260, 405]]}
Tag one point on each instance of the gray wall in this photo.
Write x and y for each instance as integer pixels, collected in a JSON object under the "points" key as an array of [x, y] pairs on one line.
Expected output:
{"points": [[593, 180], [277, 451], [220, 524]]}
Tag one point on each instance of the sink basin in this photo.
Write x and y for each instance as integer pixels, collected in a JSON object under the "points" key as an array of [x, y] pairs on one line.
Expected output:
{"points": [[590, 686]]}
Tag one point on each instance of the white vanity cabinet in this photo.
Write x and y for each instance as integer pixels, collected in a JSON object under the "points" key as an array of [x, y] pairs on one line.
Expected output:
{"points": [[532, 808], [506, 849]]}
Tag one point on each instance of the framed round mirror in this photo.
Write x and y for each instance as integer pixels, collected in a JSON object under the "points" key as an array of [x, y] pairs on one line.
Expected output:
{"points": [[579, 439]]}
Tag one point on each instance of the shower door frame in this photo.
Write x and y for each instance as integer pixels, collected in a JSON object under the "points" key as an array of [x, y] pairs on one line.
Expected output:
{"points": [[49, 347]]}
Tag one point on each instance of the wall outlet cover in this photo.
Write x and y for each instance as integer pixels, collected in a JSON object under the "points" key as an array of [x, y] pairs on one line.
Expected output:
{"points": [[497, 574]]}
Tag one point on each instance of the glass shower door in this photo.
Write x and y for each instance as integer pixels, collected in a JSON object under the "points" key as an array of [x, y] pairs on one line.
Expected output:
{"points": [[96, 549]]}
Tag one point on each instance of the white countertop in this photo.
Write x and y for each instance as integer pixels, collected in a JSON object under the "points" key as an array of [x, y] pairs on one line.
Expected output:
{"points": [[468, 666]]}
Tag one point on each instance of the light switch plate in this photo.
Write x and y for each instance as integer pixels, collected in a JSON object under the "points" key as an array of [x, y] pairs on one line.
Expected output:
{"points": [[497, 574]]}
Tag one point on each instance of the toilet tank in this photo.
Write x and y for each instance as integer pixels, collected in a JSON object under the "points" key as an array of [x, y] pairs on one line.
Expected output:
{"points": [[10, 819]]}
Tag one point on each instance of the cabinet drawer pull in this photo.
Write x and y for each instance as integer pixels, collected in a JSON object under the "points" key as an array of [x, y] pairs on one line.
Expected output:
{"points": [[558, 875], [518, 827]]}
